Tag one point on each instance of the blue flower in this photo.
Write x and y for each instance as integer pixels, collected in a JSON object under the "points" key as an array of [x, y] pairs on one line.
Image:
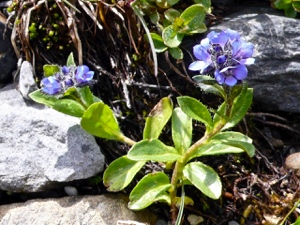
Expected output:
{"points": [[83, 74], [51, 86], [67, 77], [225, 54]]}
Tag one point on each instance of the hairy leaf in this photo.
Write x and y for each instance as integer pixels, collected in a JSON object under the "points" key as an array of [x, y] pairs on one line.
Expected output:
{"points": [[120, 173], [182, 129], [99, 120], [158, 118], [151, 188], [153, 150], [195, 109], [204, 178]]}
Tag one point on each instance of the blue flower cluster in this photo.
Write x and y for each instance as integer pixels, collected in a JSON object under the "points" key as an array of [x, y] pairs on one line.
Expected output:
{"points": [[67, 77], [225, 54]]}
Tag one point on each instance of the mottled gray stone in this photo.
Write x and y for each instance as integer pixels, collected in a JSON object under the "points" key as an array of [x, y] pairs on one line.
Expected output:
{"points": [[40, 146], [8, 59], [275, 76], [76, 210], [27, 83]]}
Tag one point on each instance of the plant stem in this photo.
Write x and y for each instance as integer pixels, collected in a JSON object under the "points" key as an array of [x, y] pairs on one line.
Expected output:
{"points": [[180, 163], [127, 140]]}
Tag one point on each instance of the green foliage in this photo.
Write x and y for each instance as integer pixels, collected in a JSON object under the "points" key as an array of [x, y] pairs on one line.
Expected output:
{"points": [[151, 188], [290, 7], [182, 130], [99, 120], [204, 178], [70, 60], [183, 155], [120, 173], [196, 110], [174, 23], [50, 70], [153, 150], [67, 106], [158, 118]]}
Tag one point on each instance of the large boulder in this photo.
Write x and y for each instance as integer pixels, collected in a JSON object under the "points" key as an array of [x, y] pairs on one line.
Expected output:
{"points": [[275, 76], [87, 210], [40, 147]]}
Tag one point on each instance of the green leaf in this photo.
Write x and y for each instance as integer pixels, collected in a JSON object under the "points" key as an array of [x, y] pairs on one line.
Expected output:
{"points": [[182, 129], [171, 14], [120, 173], [210, 85], [290, 12], [193, 17], [296, 6], [151, 188], [158, 43], [214, 148], [86, 95], [157, 119], [50, 70], [297, 222], [236, 139], [172, 2], [70, 60], [195, 109], [99, 120], [240, 106], [201, 29], [219, 114], [171, 37], [154, 17], [176, 53], [163, 4], [205, 3], [204, 178], [153, 150], [66, 106], [82, 95], [283, 4]]}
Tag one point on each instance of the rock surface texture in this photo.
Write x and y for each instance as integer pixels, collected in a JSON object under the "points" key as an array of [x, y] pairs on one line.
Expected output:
{"points": [[40, 147], [87, 210], [275, 76]]}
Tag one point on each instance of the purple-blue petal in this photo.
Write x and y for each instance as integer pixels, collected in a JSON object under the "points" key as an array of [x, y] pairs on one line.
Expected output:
{"points": [[248, 61], [230, 81], [240, 72], [50, 85], [201, 53], [242, 49], [232, 34], [83, 74], [220, 77], [197, 66]]}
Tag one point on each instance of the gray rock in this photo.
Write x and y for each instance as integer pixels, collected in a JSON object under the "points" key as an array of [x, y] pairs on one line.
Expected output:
{"points": [[275, 76], [27, 83], [40, 147], [71, 191], [88, 210], [8, 59]]}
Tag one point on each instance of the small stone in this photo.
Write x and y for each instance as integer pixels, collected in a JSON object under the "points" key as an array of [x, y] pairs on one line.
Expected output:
{"points": [[71, 191], [27, 83], [293, 162], [194, 219]]}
